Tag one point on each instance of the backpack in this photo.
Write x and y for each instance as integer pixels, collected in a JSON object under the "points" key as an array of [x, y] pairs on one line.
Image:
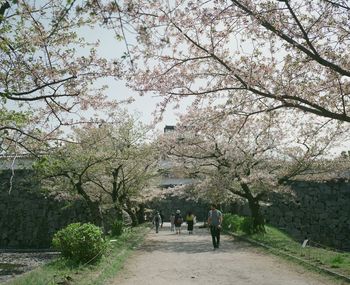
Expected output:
{"points": [[179, 220]]}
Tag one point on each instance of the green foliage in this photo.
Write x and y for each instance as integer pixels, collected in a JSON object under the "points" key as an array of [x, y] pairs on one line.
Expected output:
{"points": [[237, 223], [232, 222], [100, 273], [117, 228], [247, 226], [48, 164], [337, 261], [80, 242], [13, 117]]}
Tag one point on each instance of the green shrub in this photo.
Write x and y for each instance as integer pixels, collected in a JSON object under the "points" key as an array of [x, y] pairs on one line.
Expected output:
{"points": [[117, 228], [247, 225], [237, 223], [337, 260], [232, 222], [80, 242]]}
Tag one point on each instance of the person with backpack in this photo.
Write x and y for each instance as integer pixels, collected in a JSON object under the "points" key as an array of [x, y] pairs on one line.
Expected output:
{"points": [[157, 221], [178, 221], [214, 223]]}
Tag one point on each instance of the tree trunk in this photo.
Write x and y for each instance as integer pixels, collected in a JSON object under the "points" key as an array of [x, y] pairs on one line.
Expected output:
{"points": [[253, 202], [132, 213], [141, 214], [258, 219], [115, 193], [119, 211], [94, 206]]}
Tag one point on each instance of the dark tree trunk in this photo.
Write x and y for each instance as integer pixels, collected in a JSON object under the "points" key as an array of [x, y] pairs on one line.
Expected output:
{"points": [[119, 209], [93, 206], [115, 193], [258, 219], [141, 214], [131, 212], [253, 202], [115, 186]]}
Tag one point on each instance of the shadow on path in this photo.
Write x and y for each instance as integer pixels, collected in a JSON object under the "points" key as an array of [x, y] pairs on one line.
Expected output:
{"points": [[167, 258], [200, 241]]}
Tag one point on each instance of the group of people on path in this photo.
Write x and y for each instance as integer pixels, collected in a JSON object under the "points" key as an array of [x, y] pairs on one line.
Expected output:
{"points": [[215, 219], [176, 221]]}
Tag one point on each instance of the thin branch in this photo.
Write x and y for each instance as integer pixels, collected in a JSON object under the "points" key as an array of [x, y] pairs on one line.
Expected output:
{"points": [[9, 95], [294, 43], [306, 37], [337, 5]]}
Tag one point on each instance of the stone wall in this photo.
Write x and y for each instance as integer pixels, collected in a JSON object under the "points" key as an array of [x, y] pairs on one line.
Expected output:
{"points": [[28, 218], [319, 211]]}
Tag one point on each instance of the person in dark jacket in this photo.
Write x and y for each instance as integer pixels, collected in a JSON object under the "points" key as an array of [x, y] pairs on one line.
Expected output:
{"points": [[162, 217], [157, 220], [178, 222]]}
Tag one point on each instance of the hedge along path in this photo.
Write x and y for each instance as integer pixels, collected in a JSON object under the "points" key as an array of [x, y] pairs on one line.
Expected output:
{"points": [[167, 258]]}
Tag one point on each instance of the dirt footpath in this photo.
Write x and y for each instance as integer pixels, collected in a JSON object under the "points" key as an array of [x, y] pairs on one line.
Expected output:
{"points": [[167, 258]]}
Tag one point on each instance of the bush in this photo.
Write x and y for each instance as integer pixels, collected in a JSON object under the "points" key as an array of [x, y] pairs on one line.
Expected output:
{"points": [[237, 223], [117, 228], [247, 226], [232, 222], [80, 242], [335, 261]]}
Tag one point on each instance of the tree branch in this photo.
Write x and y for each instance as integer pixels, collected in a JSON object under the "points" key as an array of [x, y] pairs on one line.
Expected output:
{"points": [[294, 43]]}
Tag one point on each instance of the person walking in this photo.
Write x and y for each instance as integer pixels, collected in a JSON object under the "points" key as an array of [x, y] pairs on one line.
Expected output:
{"points": [[214, 222], [157, 221], [172, 222], [178, 222], [190, 222], [162, 217]]}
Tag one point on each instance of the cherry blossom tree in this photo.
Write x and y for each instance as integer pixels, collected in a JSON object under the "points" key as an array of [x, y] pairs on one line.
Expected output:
{"points": [[129, 176], [47, 71], [254, 55], [107, 164], [230, 155]]}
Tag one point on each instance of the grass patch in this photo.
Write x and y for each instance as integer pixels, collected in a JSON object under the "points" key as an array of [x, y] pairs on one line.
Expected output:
{"points": [[64, 270], [327, 258]]}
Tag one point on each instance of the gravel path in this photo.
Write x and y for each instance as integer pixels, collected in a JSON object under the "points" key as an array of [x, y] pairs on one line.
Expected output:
{"points": [[167, 258]]}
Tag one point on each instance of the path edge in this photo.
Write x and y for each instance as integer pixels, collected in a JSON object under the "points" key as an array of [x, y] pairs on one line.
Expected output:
{"points": [[324, 270]]}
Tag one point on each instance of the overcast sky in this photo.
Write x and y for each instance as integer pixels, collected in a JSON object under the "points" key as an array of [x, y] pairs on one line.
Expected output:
{"points": [[145, 106]]}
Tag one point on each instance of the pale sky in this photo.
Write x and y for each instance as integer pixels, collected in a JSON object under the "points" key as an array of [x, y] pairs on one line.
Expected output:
{"points": [[145, 106]]}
